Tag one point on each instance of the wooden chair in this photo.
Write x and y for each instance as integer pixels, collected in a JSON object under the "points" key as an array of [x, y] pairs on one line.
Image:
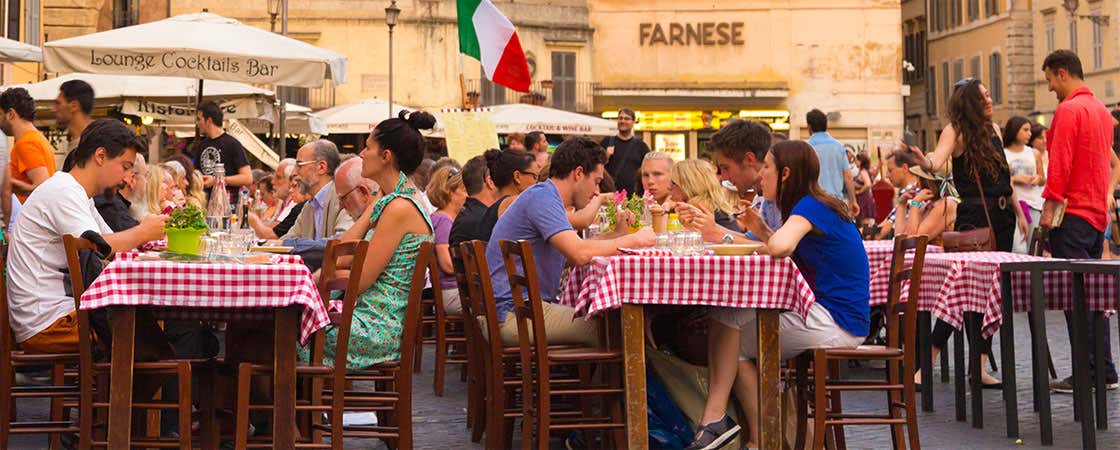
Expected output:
{"points": [[476, 419], [450, 336], [899, 354], [535, 353], [87, 368], [59, 389]]}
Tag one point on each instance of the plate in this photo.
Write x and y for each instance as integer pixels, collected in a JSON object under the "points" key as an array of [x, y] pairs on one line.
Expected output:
{"points": [[734, 249], [272, 249]]}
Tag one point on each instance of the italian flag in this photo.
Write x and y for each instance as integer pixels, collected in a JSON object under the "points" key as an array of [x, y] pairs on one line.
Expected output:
{"points": [[488, 36]]}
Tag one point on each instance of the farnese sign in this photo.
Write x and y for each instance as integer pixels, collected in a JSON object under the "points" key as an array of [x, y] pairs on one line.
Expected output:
{"points": [[706, 34]]}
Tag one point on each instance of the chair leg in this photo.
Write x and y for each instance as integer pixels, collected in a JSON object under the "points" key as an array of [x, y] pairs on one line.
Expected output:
{"points": [[57, 379], [241, 422], [184, 372], [801, 383], [894, 401], [820, 402], [617, 411], [7, 404], [441, 357], [836, 404]]}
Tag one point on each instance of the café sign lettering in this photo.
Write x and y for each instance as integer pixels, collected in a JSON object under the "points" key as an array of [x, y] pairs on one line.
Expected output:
{"points": [[175, 60], [706, 34]]}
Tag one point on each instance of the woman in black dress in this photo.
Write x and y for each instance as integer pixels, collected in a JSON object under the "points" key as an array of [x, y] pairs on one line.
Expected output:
{"points": [[975, 146]]}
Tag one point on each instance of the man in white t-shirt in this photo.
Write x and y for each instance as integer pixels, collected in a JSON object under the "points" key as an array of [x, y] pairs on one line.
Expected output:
{"points": [[42, 314]]}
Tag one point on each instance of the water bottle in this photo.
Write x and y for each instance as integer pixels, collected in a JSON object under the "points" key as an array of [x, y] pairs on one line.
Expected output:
{"points": [[217, 209]]}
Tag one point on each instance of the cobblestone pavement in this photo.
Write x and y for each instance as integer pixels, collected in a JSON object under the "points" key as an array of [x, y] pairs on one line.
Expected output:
{"points": [[439, 422]]}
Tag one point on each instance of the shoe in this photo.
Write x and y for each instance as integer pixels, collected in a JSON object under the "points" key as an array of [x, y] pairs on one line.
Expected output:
{"points": [[32, 379], [574, 441], [1065, 386], [715, 434]]}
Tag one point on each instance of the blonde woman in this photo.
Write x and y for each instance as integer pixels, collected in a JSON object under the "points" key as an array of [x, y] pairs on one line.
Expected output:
{"points": [[447, 193], [694, 181], [162, 193]]}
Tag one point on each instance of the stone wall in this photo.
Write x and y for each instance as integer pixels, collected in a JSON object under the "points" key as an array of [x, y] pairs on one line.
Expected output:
{"points": [[1021, 67]]}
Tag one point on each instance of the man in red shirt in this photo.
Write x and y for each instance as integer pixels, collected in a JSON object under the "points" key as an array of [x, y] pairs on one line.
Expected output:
{"points": [[1080, 176]]}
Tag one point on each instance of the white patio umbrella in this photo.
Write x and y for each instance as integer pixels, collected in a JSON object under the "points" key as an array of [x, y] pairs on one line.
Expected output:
{"points": [[202, 46], [524, 118], [357, 117], [300, 120], [15, 51]]}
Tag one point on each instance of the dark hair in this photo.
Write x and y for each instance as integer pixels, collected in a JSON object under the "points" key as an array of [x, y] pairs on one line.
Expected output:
{"points": [[474, 174], [503, 163], [966, 114], [903, 158], [1011, 129], [110, 134], [864, 161], [628, 112], [210, 110], [817, 121], [78, 91], [532, 138], [740, 137], [607, 185], [804, 171], [1064, 59], [576, 152], [776, 137], [401, 136], [422, 175], [326, 151], [19, 100], [1036, 131]]}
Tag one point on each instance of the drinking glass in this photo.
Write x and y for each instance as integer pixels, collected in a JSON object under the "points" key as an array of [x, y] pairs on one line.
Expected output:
{"points": [[663, 241], [678, 243], [696, 243]]}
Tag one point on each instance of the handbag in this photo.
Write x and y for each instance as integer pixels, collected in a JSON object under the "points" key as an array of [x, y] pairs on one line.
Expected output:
{"points": [[975, 240]]}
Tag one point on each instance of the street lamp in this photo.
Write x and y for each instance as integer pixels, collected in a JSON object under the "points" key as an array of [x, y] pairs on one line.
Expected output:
{"points": [[392, 12]]}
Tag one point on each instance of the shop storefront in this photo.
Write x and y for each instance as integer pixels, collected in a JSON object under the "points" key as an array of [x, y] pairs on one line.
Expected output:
{"points": [[685, 134]]}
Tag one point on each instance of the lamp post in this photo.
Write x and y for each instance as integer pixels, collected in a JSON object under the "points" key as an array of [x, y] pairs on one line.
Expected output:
{"points": [[392, 12]]}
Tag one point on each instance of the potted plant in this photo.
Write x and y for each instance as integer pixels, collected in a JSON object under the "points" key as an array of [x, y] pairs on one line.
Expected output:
{"points": [[185, 229]]}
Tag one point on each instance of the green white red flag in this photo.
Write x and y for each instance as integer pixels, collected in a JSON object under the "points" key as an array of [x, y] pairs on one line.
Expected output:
{"points": [[487, 35]]}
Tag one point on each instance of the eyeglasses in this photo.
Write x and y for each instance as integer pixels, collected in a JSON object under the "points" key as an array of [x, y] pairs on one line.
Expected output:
{"points": [[533, 174], [452, 172], [304, 163], [342, 197], [963, 81]]}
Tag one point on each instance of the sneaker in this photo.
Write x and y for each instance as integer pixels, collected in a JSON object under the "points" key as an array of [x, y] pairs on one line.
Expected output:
{"points": [[1065, 386], [715, 435], [574, 441], [32, 379]]}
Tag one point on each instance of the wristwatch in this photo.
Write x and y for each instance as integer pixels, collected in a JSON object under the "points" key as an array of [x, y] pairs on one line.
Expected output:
{"points": [[727, 238]]}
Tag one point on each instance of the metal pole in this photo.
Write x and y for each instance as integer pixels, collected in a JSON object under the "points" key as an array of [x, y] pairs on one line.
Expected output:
{"points": [[281, 92], [390, 72]]}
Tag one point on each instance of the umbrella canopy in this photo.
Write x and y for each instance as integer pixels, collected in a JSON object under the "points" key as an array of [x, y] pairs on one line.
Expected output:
{"points": [[112, 89], [15, 51], [201, 46], [357, 117], [524, 118], [299, 120]]}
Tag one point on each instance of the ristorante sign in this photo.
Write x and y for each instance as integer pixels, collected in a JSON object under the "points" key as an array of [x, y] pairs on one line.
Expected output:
{"points": [[245, 108]]}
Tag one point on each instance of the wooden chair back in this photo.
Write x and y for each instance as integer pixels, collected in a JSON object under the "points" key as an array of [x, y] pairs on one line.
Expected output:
{"points": [[903, 335], [525, 289], [484, 309], [465, 297], [1040, 237], [329, 280]]}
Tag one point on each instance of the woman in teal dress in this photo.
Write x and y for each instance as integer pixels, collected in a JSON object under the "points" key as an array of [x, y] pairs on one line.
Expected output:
{"points": [[393, 151]]}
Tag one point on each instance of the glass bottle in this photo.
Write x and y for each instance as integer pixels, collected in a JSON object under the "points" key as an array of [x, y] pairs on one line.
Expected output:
{"points": [[217, 209]]}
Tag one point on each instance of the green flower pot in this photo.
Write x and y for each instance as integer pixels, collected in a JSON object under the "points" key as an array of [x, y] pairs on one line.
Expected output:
{"points": [[184, 241]]}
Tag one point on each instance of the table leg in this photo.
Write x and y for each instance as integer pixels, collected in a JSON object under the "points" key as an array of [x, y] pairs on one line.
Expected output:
{"points": [[1040, 352], [634, 361], [1081, 364], [1007, 355], [123, 320], [769, 380], [284, 382], [925, 362], [208, 422], [1100, 333], [975, 368], [958, 374]]}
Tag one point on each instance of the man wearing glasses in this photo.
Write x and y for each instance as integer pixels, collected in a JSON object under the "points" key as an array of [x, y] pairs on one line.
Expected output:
{"points": [[625, 152], [323, 214]]}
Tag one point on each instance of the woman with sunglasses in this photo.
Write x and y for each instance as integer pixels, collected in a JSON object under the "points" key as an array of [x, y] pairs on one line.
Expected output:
{"points": [[979, 167], [448, 194], [512, 172]]}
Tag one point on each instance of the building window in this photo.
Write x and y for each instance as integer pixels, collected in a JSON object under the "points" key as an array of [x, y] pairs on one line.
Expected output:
{"points": [[995, 82], [492, 94], [973, 10], [921, 52], [1073, 34], [12, 24], [564, 80], [32, 22], [955, 13], [127, 13], [992, 7], [1049, 24], [1098, 51], [958, 70], [931, 91], [945, 84], [974, 67]]}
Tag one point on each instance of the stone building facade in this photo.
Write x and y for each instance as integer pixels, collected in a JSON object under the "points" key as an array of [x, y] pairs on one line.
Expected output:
{"points": [[1088, 28]]}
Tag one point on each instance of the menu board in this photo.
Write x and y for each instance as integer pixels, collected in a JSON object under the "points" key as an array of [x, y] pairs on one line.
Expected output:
{"points": [[672, 144], [469, 133]]}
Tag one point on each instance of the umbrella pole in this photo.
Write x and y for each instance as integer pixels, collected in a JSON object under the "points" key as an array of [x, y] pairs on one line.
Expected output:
{"points": [[197, 103]]}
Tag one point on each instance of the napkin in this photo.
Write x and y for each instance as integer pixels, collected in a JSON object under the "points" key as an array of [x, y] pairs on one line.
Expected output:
{"points": [[649, 251]]}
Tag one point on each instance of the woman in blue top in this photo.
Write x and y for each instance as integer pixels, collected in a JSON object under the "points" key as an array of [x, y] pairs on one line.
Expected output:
{"points": [[821, 237]]}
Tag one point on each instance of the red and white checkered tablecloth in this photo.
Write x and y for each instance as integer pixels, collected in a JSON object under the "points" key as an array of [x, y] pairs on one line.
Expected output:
{"points": [[240, 288], [731, 281], [882, 250], [955, 283]]}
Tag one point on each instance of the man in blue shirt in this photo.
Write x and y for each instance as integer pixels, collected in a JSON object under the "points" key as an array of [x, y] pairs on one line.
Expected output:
{"points": [[835, 177], [539, 216]]}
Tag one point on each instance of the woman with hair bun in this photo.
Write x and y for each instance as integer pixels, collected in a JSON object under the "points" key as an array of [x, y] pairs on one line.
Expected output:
{"points": [[512, 172], [393, 151]]}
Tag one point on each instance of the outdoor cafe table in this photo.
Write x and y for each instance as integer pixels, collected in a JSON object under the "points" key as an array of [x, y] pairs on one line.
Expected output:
{"points": [[879, 253], [629, 282], [282, 291]]}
